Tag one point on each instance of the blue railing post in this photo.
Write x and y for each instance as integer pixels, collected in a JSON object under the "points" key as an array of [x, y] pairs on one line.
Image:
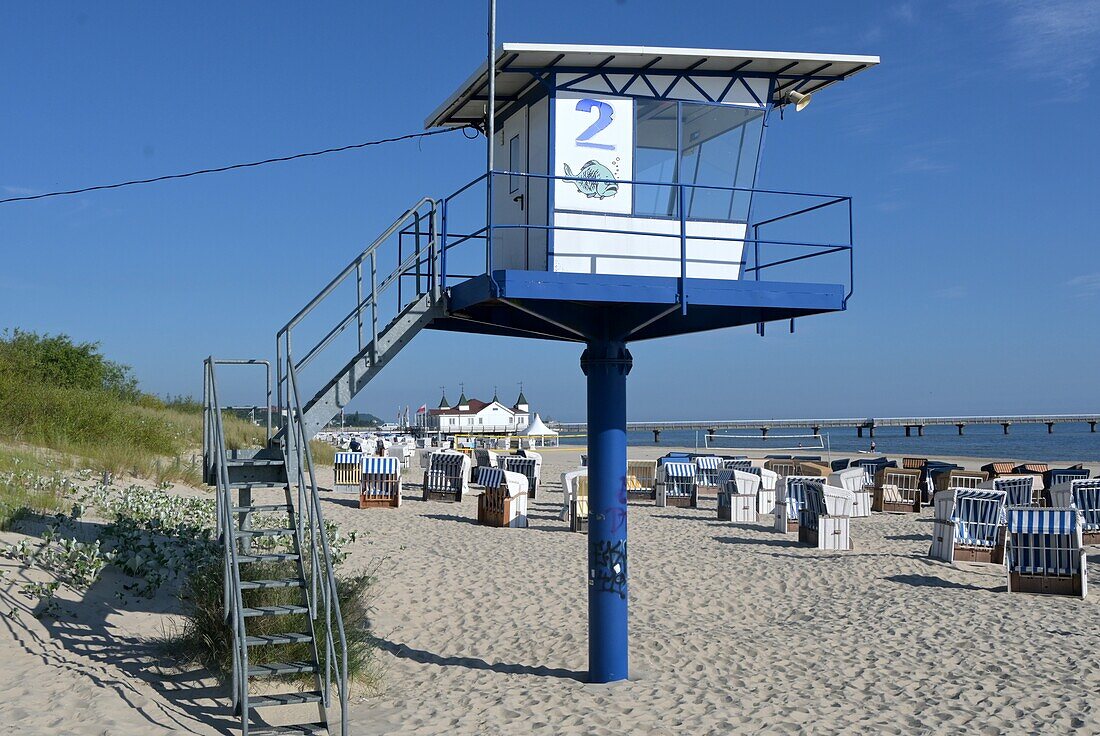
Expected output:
{"points": [[606, 363], [443, 246], [683, 250]]}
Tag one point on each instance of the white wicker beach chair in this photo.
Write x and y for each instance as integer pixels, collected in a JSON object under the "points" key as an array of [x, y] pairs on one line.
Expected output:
{"points": [[677, 485], [825, 515], [447, 476], [380, 483], [855, 480], [503, 503], [969, 525], [1045, 551], [528, 467], [347, 471], [737, 495]]}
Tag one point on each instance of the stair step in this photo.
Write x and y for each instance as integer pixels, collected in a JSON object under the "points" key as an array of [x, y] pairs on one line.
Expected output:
{"points": [[267, 557], [254, 533], [259, 508], [266, 639], [288, 609], [268, 584], [258, 484], [266, 701], [255, 462], [281, 668], [313, 729]]}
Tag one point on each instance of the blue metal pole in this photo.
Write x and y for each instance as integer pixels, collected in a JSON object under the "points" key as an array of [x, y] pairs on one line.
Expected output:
{"points": [[606, 363]]}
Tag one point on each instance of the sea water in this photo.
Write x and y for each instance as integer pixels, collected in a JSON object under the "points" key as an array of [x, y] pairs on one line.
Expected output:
{"points": [[1069, 442]]}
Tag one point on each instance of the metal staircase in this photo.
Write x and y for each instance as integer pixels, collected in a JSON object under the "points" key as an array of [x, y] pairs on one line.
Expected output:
{"points": [[307, 616]]}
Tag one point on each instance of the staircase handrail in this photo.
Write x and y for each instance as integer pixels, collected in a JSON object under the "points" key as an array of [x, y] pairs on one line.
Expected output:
{"points": [[233, 601], [321, 555], [283, 336]]}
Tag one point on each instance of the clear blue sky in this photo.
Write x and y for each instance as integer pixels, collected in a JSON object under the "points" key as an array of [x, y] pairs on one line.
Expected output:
{"points": [[971, 153]]}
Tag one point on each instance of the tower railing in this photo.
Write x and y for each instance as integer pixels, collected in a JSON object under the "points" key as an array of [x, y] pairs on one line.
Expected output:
{"points": [[762, 257]]}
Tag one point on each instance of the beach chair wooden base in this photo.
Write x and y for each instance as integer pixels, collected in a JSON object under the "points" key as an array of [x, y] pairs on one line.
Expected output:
{"points": [[379, 502], [495, 508], [644, 494], [680, 502], [578, 517], [832, 533], [737, 507], [945, 548], [879, 502], [1091, 538], [450, 496], [1043, 584]]}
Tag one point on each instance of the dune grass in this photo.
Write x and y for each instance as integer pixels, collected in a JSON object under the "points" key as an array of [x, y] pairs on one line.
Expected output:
{"points": [[29, 484]]}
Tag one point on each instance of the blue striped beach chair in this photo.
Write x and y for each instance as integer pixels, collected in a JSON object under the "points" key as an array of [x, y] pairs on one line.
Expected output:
{"points": [[825, 515], [528, 467], [380, 485], [1083, 495], [1045, 551], [1063, 477], [641, 479], [790, 499], [745, 466], [677, 485], [446, 476], [737, 495], [706, 470], [969, 525], [485, 458], [1020, 490], [503, 503], [347, 471]]}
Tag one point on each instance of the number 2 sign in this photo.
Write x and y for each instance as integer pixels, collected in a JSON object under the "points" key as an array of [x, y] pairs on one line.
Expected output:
{"points": [[606, 113], [593, 152]]}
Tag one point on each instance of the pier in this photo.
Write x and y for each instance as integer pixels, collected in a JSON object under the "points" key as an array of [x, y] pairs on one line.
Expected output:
{"points": [[863, 425]]}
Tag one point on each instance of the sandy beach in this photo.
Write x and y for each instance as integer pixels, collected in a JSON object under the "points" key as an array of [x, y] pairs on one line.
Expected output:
{"points": [[734, 629]]}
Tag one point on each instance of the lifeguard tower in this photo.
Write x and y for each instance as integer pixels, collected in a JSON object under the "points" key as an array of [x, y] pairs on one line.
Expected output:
{"points": [[620, 203]]}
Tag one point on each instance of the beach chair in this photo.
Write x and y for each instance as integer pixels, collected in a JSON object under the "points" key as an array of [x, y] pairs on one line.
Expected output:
{"points": [[569, 491], [447, 476], [706, 471], [824, 518], [402, 453], [737, 495], [737, 464], [996, 469], [765, 496], [841, 464], [347, 471], [1032, 468], [485, 458], [968, 525], [854, 480], [1083, 495], [503, 503], [380, 483], [641, 479], [677, 485], [790, 498], [528, 467], [958, 478], [1045, 551], [578, 513], [781, 466], [896, 490], [1020, 490], [1055, 477], [913, 463]]}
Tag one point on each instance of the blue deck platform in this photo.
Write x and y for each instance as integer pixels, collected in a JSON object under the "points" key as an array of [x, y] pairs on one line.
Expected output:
{"points": [[564, 306]]}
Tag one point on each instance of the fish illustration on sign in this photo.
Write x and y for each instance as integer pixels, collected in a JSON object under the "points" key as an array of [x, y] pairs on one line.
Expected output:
{"points": [[593, 180]]}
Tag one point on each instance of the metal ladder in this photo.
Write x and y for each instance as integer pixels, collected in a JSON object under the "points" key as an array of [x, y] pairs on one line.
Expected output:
{"points": [[287, 463]]}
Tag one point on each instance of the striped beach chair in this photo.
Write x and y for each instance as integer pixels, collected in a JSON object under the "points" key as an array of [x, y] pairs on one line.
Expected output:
{"points": [[1063, 476], [872, 465], [737, 495], [968, 525], [347, 471], [503, 503], [641, 479], [380, 484], [677, 485], [528, 467], [1083, 495], [485, 458], [854, 480], [446, 476], [1020, 490], [790, 498], [896, 490], [825, 515], [765, 496], [1045, 551], [737, 464], [706, 471]]}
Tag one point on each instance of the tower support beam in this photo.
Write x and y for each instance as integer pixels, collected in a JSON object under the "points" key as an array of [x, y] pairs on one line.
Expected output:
{"points": [[606, 363]]}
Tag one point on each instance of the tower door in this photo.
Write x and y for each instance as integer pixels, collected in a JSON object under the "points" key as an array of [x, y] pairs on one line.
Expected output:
{"points": [[511, 202]]}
